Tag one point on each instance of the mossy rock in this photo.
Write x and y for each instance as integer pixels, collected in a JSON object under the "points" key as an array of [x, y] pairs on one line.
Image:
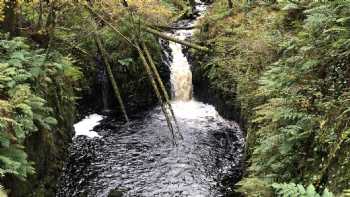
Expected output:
{"points": [[115, 193]]}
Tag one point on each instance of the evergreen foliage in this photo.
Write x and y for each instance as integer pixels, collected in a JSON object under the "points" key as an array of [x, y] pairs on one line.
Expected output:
{"points": [[37, 86], [290, 66], [27, 78], [292, 189], [304, 121]]}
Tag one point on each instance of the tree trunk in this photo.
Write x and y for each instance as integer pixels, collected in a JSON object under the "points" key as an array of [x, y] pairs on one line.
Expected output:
{"points": [[230, 4], [149, 30], [156, 90], [192, 5], [11, 17], [160, 82], [110, 76]]}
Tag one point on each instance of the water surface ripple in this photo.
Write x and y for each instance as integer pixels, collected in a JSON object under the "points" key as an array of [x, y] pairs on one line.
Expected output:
{"points": [[140, 160]]}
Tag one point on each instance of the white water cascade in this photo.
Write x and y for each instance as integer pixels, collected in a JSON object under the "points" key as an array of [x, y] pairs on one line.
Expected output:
{"points": [[181, 75]]}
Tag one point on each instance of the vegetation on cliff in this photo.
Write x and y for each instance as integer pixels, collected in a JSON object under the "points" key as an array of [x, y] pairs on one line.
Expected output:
{"points": [[28, 77], [284, 64], [49, 58], [288, 62]]}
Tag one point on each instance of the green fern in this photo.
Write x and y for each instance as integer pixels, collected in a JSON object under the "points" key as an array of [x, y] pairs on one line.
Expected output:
{"points": [[292, 189], [23, 107], [294, 92]]}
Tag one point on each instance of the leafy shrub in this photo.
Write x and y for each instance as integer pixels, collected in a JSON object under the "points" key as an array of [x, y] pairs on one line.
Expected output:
{"points": [[303, 123], [27, 78], [292, 189], [293, 87]]}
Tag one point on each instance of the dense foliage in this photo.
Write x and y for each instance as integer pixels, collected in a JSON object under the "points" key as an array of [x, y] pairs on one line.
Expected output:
{"points": [[290, 63], [304, 120], [39, 85], [293, 189], [27, 78]]}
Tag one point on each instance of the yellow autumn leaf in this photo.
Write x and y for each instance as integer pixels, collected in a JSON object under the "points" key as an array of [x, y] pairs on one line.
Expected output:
{"points": [[322, 123]]}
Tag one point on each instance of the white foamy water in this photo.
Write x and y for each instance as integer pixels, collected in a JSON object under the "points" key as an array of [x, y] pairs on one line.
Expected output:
{"points": [[181, 75], [85, 126], [194, 110]]}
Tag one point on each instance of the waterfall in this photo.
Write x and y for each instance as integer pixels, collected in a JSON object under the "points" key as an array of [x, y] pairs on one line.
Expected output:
{"points": [[181, 75]]}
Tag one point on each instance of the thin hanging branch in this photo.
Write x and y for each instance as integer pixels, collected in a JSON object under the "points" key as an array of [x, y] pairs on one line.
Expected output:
{"points": [[167, 28], [165, 106], [108, 66], [161, 84], [93, 13], [105, 59]]}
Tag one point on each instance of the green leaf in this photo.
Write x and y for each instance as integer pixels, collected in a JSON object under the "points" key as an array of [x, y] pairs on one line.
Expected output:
{"points": [[35, 71], [51, 121], [326, 193], [311, 191], [125, 62]]}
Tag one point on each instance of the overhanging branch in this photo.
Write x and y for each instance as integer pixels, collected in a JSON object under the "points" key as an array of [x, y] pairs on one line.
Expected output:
{"points": [[166, 37]]}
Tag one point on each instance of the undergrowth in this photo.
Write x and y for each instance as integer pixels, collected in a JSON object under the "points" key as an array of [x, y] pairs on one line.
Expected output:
{"points": [[290, 66], [28, 77]]}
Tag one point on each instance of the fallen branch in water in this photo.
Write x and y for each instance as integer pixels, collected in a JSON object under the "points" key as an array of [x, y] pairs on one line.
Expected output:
{"points": [[152, 71], [161, 84], [156, 90]]}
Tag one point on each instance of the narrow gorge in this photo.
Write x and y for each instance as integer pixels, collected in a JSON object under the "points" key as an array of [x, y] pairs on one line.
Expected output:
{"points": [[139, 159], [187, 98]]}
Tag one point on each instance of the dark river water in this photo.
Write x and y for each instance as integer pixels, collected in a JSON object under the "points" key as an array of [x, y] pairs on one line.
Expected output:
{"points": [[140, 159]]}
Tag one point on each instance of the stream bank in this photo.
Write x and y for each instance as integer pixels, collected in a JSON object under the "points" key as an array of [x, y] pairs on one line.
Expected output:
{"points": [[70, 100], [47, 147], [260, 64], [225, 99]]}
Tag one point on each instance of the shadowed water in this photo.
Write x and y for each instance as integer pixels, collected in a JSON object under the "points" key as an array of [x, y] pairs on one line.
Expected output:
{"points": [[140, 160]]}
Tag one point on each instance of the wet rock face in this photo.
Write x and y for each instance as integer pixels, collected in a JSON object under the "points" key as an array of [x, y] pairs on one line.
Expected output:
{"points": [[115, 193], [140, 160], [135, 87], [205, 90]]}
